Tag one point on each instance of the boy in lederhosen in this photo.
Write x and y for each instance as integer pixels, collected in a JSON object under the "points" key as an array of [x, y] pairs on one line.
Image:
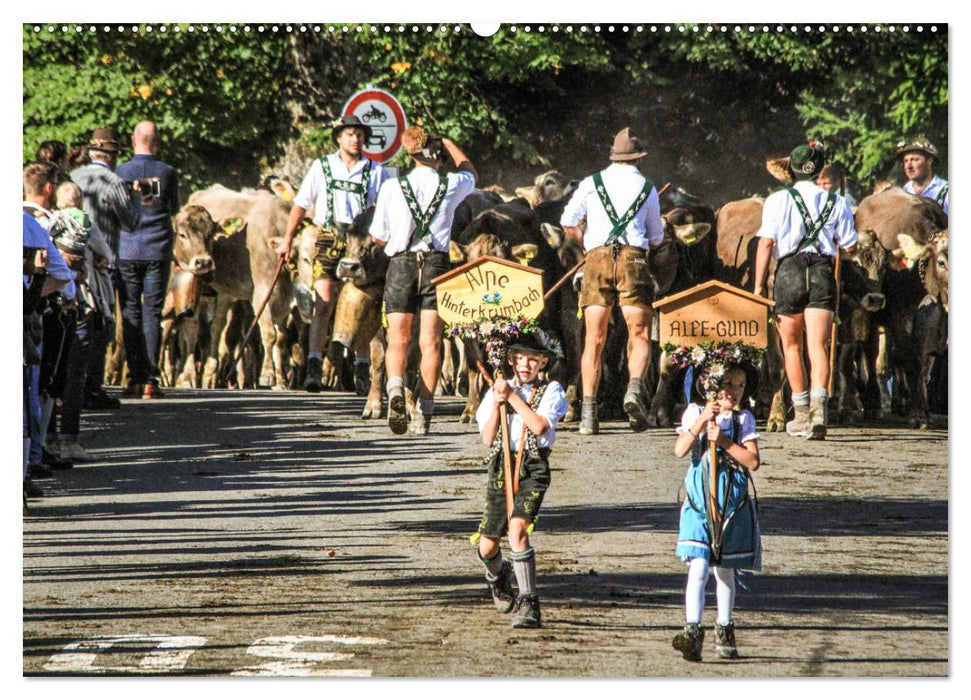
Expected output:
{"points": [[413, 223], [339, 187], [803, 227], [623, 224], [534, 408]]}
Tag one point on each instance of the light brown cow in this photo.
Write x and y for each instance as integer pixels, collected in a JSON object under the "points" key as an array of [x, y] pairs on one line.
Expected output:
{"points": [[245, 264]]}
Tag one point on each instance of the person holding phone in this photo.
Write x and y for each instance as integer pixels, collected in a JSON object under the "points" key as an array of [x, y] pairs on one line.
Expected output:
{"points": [[143, 259]]}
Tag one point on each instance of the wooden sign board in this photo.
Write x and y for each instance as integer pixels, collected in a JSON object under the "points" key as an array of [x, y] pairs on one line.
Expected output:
{"points": [[714, 311], [489, 287]]}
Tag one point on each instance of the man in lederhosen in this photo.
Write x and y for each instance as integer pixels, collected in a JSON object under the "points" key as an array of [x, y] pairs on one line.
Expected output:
{"points": [[802, 227], [413, 222], [623, 224], [339, 187]]}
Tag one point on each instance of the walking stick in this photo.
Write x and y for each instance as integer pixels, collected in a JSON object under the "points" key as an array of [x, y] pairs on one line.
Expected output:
{"points": [[249, 333], [832, 334], [713, 491], [506, 452], [573, 270]]}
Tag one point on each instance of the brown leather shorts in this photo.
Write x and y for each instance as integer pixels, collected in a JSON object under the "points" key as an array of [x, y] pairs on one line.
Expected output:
{"points": [[328, 250], [408, 285], [617, 275]]}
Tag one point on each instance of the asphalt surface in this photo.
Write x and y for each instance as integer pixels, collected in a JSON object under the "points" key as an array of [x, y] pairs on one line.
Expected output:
{"points": [[276, 533]]}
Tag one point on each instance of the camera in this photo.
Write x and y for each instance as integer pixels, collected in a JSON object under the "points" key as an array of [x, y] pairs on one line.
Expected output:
{"points": [[146, 187]]}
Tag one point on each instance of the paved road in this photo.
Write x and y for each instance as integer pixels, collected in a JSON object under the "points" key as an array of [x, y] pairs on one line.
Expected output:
{"points": [[265, 533]]}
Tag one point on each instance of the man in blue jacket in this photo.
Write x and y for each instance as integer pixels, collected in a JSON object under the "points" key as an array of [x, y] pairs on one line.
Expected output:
{"points": [[144, 255]]}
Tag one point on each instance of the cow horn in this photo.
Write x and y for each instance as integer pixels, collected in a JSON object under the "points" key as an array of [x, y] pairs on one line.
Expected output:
{"points": [[912, 250]]}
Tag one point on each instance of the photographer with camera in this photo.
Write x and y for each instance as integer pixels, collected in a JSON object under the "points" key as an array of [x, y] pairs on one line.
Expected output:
{"points": [[112, 208], [144, 253]]}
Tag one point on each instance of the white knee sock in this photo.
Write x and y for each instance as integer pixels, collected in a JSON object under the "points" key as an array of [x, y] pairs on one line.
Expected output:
{"points": [[725, 593], [694, 590]]}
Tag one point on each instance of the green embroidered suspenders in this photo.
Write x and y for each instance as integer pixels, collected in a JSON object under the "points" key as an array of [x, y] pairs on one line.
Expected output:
{"points": [[332, 183], [422, 220], [813, 228], [620, 224], [942, 195]]}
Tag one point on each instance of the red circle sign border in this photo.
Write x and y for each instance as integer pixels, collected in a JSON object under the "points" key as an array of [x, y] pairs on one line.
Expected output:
{"points": [[392, 103]]}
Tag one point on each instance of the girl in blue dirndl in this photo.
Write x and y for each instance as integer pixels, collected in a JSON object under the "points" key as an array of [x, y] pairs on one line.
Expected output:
{"points": [[737, 541]]}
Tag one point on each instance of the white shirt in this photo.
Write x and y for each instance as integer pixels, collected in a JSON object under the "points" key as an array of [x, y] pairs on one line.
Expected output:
{"points": [[782, 222], [931, 191], [392, 218], [745, 419], [623, 183], [552, 407], [347, 205]]}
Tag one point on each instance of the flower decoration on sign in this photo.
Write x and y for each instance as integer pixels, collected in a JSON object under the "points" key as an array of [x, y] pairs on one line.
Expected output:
{"points": [[711, 360], [494, 334], [491, 299]]}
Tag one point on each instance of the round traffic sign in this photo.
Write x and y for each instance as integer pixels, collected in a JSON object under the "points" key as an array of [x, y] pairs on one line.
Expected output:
{"points": [[383, 113]]}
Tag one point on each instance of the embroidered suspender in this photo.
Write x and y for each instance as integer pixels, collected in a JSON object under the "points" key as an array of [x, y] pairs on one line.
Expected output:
{"points": [[942, 195], [332, 183], [813, 228], [620, 224], [423, 220], [535, 398]]}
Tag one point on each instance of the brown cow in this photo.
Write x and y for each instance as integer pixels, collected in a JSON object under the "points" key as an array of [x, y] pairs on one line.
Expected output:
{"points": [[930, 327], [245, 264]]}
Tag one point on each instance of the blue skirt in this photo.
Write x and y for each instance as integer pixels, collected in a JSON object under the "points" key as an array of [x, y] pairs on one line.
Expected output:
{"points": [[741, 538]]}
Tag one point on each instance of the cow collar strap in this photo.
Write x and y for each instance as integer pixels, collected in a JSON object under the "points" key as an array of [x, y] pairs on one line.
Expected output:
{"points": [[332, 183], [620, 224], [422, 219], [813, 228]]}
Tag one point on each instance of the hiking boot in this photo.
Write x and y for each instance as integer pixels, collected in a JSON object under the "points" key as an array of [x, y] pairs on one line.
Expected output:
{"points": [[635, 410], [39, 471], [725, 641], [362, 378], [799, 425], [397, 411], [98, 400], [315, 375], [31, 489], [501, 589], [589, 425], [56, 458], [690, 641], [526, 614], [817, 420], [71, 449]]}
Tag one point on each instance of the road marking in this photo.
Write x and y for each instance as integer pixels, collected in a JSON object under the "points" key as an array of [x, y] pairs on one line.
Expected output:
{"points": [[171, 654], [297, 662]]}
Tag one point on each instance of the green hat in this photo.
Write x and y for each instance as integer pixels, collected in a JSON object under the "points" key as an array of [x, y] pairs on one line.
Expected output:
{"points": [[918, 145], [537, 341], [806, 161]]}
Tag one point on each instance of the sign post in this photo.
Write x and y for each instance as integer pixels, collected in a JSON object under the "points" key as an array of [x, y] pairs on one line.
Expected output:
{"points": [[382, 112]]}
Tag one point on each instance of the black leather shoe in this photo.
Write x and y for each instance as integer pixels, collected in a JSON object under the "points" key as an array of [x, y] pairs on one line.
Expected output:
{"points": [[54, 462], [31, 489], [39, 471], [100, 400]]}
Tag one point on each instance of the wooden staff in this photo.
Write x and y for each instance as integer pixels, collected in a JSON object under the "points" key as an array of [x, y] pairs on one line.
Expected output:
{"points": [[836, 274], [249, 333], [575, 268], [713, 490], [506, 452]]}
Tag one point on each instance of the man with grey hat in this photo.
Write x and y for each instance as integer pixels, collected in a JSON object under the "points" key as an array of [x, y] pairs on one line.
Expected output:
{"points": [[623, 218], [112, 206], [338, 187], [803, 228], [917, 157]]}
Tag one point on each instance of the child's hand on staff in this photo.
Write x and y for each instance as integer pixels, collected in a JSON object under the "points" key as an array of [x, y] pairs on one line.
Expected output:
{"points": [[709, 411], [715, 434], [500, 391]]}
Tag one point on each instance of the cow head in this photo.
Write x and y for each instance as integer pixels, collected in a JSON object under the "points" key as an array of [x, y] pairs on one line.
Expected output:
{"points": [[364, 262], [488, 244], [194, 233], [549, 186], [871, 258], [931, 258]]}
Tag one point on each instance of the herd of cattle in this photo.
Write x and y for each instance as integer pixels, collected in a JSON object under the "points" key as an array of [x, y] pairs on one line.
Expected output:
{"points": [[892, 314]]}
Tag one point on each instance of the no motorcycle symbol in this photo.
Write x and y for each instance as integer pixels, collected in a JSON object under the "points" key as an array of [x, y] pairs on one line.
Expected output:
{"points": [[383, 114]]}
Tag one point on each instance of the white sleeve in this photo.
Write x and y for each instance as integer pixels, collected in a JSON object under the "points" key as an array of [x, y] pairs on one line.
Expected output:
{"points": [[378, 178], [688, 418], [381, 224], [464, 183], [576, 208], [771, 219], [484, 410], [652, 219], [308, 188], [553, 405], [747, 429], [846, 235]]}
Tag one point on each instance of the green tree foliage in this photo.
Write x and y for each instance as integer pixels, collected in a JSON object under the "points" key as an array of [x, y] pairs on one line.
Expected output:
{"points": [[713, 105]]}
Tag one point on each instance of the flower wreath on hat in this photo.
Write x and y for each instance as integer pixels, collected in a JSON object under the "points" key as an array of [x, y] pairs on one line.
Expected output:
{"points": [[711, 360], [497, 333]]}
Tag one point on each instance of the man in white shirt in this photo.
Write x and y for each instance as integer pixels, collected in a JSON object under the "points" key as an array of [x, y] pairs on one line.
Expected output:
{"points": [[918, 157], [338, 187], [413, 223], [623, 217], [803, 227]]}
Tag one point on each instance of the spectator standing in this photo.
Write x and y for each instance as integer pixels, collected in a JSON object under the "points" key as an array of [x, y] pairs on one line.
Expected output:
{"points": [[112, 208], [917, 158], [144, 255]]}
